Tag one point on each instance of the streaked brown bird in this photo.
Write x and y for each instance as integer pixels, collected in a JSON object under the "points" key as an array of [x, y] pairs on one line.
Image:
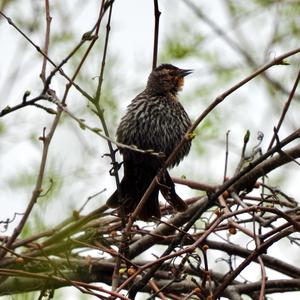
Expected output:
{"points": [[155, 120]]}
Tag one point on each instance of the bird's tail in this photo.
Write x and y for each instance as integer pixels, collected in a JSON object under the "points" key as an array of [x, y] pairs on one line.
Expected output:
{"points": [[134, 184], [167, 188], [132, 189]]}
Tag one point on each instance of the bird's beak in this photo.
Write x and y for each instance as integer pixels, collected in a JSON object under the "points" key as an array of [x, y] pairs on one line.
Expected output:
{"points": [[184, 73]]}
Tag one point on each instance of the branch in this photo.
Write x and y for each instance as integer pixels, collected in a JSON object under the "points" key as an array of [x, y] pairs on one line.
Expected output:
{"points": [[157, 14], [271, 262], [254, 255], [195, 184], [35, 281], [47, 37], [272, 286], [285, 109], [267, 166], [164, 230], [97, 131], [24, 103], [46, 139], [39, 50]]}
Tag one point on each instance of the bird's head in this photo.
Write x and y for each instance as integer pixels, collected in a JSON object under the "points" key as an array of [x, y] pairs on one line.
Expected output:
{"points": [[166, 78]]}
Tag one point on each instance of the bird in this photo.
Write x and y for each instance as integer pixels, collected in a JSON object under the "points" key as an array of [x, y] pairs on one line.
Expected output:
{"points": [[154, 120]]}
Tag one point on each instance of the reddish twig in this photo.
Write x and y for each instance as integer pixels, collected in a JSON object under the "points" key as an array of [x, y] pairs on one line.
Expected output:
{"points": [[189, 249], [195, 185], [254, 255]]}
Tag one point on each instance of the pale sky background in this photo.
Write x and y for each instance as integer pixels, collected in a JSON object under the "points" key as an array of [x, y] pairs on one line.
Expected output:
{"points": [[131, 44]]}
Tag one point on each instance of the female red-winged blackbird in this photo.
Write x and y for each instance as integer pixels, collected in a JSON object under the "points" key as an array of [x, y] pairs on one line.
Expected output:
{"points": [[154, 120]]}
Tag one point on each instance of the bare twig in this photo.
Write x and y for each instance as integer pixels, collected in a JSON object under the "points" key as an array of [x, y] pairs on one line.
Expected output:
{"points": [[47, 38], [39, 50], [285, 109], [246, 262], [46, 139], [195, 184], [97, 131], [226, 156], [156, 33], [18, 273], [32, 101]]}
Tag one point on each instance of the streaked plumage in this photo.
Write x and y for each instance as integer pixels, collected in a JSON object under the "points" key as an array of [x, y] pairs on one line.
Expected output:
{"points": [[154, 120]]}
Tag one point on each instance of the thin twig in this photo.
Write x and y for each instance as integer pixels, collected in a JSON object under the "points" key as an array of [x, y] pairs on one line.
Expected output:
{"points": [[157, 14], [32, 101], [243, 156], [285, 109], [47, 39], [195, 184], [46, 139], [226, 156], [97, 131], [254, 254], [46, 277], [39, 50]]}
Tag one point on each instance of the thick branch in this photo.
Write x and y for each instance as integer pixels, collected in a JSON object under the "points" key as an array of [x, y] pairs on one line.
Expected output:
{"points": [[266, 167]]}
